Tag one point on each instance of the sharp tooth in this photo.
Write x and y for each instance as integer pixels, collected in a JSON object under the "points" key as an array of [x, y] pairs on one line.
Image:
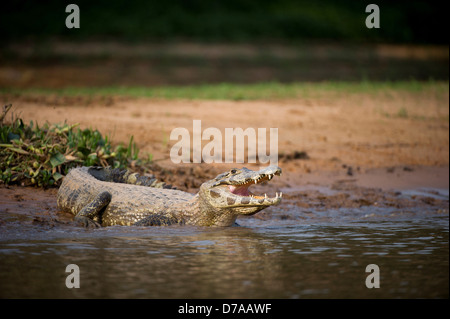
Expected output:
{"points": [[270, 177], [265, 195], [276, 195], [256, 181], [281, 194]]}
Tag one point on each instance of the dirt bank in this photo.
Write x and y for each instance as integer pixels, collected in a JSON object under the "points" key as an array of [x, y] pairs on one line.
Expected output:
{"points": [[360, 130], [389, 141]]}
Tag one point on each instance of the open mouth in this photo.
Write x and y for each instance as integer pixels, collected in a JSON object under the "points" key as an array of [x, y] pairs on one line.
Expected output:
{"points": [[242, 189]]}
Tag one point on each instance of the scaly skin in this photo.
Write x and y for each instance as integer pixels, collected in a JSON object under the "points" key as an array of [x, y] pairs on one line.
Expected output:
{"points": [[105, 197]]}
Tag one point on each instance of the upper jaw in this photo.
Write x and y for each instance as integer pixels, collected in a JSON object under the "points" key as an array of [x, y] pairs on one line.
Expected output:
{"points": [[248, 177]]}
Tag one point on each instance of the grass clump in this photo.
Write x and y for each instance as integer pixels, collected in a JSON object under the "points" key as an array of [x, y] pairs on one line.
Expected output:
{"points": [[41, 156]]}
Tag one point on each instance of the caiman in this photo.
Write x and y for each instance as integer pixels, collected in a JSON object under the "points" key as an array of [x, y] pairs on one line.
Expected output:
{"points": [[105, 197]]}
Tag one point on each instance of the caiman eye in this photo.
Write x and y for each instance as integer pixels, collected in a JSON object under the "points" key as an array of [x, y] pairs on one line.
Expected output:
{"points": [[233, 171]]}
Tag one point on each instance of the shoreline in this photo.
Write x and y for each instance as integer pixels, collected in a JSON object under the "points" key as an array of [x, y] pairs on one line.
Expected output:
{"points": [[317, 191]]}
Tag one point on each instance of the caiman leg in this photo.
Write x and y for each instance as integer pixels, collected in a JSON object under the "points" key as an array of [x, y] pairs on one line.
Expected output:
{"points": [[90, 211]]}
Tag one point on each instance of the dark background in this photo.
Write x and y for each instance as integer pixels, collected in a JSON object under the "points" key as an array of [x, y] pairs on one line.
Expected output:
{"points": [[230, 20], [189, 42]]}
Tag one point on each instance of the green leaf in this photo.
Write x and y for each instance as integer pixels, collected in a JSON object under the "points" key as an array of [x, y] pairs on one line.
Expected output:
{"points": [[57, 176], [19, 150], [57, 159]]}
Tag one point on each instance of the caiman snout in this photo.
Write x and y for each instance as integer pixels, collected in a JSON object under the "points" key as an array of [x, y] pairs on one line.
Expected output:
{"points": [[231, 189]]}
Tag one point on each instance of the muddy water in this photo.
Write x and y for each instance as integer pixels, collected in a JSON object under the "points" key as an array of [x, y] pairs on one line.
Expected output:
{"points": [[290, 252]]}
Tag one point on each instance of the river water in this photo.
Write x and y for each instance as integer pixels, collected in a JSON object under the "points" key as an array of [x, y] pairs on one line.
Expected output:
{"points": [[322, 256]]}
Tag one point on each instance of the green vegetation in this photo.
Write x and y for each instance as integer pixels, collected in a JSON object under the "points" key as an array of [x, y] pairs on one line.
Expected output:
{"points": [[33, 155], [227, 91]]}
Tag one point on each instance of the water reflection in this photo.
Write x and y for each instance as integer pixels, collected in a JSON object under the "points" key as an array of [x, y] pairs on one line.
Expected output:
{"points": [[276, 261]]}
